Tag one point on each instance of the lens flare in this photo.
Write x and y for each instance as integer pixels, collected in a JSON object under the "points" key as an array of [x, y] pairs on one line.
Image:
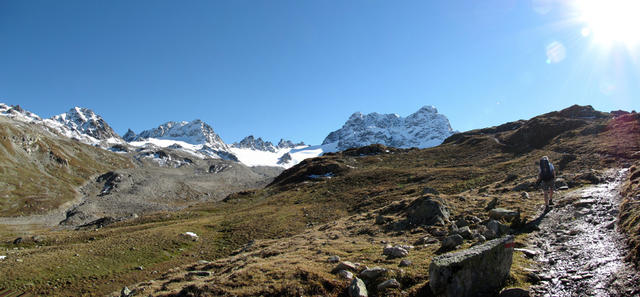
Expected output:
{"points": [[556, 52]]}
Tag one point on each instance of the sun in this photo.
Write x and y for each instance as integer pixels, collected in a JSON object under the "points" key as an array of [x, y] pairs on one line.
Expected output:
{"points": [[611, 21]]}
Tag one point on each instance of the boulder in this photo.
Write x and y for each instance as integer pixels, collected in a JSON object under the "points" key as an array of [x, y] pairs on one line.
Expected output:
{"points": [[357, 288], [451, 242], [502, 213], [390, 283], [465, 232], [427, 210], [405, 263], [345, 274], [334, 259], [497, 228], [426, 240], [345, 265], [373, 273], [395, 251], [479, 270]]}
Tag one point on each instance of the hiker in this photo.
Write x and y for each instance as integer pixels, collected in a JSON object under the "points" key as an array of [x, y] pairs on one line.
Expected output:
{"points": [[547, 177]]}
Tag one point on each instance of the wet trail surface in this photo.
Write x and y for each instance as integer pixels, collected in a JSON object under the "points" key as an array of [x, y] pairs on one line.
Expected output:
{"points": [[579, 250]]}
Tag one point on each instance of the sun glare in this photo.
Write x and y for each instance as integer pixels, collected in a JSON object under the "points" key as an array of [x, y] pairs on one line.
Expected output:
{"points": [[611, 21]]}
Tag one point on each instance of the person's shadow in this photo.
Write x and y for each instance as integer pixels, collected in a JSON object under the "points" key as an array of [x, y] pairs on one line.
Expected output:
{"points": [[531, 226]]}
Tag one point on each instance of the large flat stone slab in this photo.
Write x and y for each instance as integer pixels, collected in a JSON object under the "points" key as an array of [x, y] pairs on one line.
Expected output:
{"points": [[477, 271]]}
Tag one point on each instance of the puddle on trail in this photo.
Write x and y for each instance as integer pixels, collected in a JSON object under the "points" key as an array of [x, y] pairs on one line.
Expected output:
{"points": [[581, 252]]}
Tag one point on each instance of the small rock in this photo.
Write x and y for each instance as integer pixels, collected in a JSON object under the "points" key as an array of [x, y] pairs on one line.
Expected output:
{"points": [[465, 232], [345, 274], [479, 237], [497, 228], [139, 268], [200, 273], [611, 225], [395, 251], [334, 259], [524, 195], [514, 292], [345, 265], [451, 242], [390, 283], [462, 223], [357, 288], [405, 263], [502, 213], [426, 240], [563, 188], [125, 292], [2, 257], [190, 236], [380, 220], [17, 240], [373, 273], [527, 253], [203, 262]]}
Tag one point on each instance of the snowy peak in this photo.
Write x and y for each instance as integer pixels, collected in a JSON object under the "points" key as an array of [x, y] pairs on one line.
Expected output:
{"points": [[79, 122], [282, 144], [16, 112], [129, 136], [251, 142], [194, 132], [424, 128]]}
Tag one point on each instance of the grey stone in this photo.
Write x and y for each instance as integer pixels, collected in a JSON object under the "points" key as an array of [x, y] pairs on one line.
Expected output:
{"points": [[584, 202], [492, 204], [562, 188], [390, 283], [497, 228], [405, 263], [479, 237], [334, 259], [125, 292], [373, 273], [357, 288], [427, 211], [482, 269], [345, 274], [502, 213], [345, 265], [524, 195], [451, 242], [395, 251], [514, 292], [461, 223], [465, 232], [380, 220], [426, 240]]}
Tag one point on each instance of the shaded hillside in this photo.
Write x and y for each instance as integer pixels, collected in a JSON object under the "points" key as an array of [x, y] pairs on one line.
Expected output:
{"points": [[40, 171]]}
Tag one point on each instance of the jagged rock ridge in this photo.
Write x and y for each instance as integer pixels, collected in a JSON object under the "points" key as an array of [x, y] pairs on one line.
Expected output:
{"points": [[424, 128]]}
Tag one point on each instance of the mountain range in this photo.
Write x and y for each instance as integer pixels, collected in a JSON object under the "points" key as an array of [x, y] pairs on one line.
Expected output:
{"points": [[422, 129]]}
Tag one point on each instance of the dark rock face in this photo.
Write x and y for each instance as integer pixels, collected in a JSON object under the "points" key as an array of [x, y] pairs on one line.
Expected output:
{"points": [[480, 270], [284, 159], [258, 144], [129, 136], [428, 211], [310, 169]]}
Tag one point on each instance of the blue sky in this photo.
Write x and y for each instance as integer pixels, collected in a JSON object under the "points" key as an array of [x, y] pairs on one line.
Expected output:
{"points": [[298, 69]]}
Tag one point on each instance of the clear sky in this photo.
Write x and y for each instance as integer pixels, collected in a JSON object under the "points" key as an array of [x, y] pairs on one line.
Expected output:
{"points": [[297, 69]]}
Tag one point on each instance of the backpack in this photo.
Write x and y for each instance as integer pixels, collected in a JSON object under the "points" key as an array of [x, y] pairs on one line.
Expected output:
{"points": [[546, 170]]}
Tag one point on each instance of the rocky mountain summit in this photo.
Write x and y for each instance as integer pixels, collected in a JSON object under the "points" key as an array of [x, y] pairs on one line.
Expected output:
{"points": [[194, 132], [424, 128], [78, 123], [250, 142]]}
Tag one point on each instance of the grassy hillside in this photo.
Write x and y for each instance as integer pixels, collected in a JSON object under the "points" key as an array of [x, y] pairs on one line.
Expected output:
{"points": [[40, 171], [275, 241]]}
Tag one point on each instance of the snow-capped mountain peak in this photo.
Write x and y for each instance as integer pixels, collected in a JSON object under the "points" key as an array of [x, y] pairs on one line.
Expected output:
{"points": [[80, 122], [424, 128], [253, 143]]}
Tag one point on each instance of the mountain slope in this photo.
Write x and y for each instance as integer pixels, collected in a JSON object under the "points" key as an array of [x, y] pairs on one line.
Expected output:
{"points": [[424, 128], [41, 170]]}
